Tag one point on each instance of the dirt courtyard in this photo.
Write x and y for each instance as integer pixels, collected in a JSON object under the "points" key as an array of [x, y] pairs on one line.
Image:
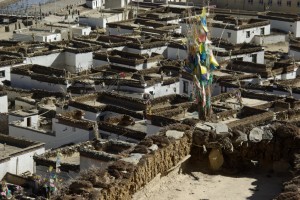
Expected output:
{"points": [[198, 185]]}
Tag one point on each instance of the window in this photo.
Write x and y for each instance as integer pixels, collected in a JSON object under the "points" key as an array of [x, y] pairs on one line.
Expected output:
{"points": [[247, 34], [250, 1], [270, 2], [279, 2], [298, 3], [289, 3], [185, 87], [262, 31], [229, 35], [261, 1], [28, 122], [2, 74], [254, 58]]}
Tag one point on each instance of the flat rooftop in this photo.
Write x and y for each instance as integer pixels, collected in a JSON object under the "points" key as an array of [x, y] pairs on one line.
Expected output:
{"points": [[24, 113], [70, 159], [246, 102], [97, 14], [10, 146], [6, 150]]}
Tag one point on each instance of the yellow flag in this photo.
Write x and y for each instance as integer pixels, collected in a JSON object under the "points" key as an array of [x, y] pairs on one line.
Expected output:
{"points": [[203, 14], [203, 70], [213, 60]]}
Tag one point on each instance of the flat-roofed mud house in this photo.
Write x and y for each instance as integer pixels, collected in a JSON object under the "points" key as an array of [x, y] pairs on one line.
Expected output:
{"points": [[16, 155], [127, 60], [286, 22], [80, 157], [282, 70], [65, 128], [73, 56], [69, 157], [285, 88], [96, 19], [237, 31], [40, 77], [105, 152], [6, 63], [223, 51], [155, 82], [156, 21], [99, 106], [53, 79]]}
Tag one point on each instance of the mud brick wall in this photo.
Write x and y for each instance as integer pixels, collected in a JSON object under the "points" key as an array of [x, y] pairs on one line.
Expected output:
{"points": [[151, 165], [291, 114], [253, 120], [4, 123], [117, 185]]}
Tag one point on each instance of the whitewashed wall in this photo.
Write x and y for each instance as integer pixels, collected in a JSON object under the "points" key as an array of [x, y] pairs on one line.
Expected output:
{"points": [[246, 57], [284, 26], [94, 3], [269, 39], [239, 36], [158, 89], [63, 134], [76, 62], [160, 50], [101, 21], [53, 59], [176, 53], [3, 104], [137, 67], [181, 87], [6, 71], [21, 163], [25, 82], [294, 54], [80, 31]]}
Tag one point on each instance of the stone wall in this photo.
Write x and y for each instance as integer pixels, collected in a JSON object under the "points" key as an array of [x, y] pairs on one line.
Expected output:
{"points": [[277, 149]]}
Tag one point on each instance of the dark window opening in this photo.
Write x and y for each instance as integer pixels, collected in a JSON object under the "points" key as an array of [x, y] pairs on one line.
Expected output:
{"points": [[185, 87], [229, 35], [2, 74], [247, 34], [28, 122], [254, 58]]}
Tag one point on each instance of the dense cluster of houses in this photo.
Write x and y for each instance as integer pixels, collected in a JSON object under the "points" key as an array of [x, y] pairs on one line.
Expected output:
{"points": [[95, 99]]}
